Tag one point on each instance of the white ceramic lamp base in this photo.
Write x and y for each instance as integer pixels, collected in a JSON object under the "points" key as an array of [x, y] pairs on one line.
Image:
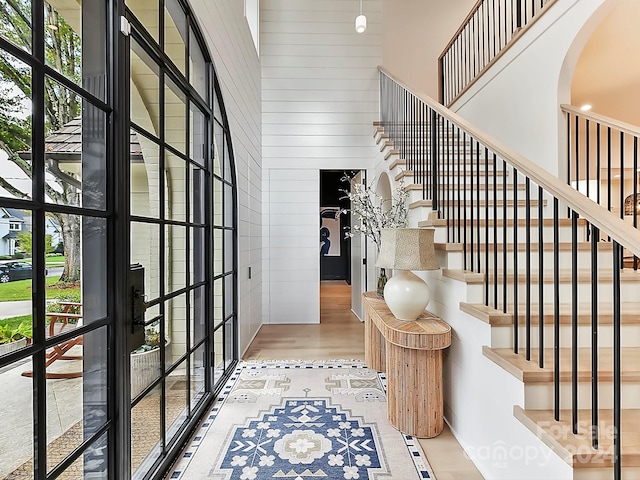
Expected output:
{"points": [[407, 295]]}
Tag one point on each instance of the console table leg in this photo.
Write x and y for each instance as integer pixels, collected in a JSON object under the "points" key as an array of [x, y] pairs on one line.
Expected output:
{"points": [[415, 403], [374, 346]]}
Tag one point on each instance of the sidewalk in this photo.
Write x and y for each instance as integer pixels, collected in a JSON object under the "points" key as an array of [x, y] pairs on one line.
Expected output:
{"points": [[14, 309]]}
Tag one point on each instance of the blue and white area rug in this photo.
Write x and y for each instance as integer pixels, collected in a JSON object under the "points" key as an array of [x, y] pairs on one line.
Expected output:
{"points": [[302, 421]]}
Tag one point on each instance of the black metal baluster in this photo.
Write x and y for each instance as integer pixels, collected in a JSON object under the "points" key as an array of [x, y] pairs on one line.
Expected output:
{"points": [[473, 50], [587, 152], [577, 157], [622, 177], [635, 192], [459, 195], [574, 321], [556, 311], [471, 212], [540, 284], [609, 168], [569, 149], [496, 32], [617, 440], [598, 166], [478, 205], [486, 224], [595, 238], [449, 192], [495, 233], [527, 317], [516, 320], [434, 160], [464, 201], [504, 237], [484, 35]]}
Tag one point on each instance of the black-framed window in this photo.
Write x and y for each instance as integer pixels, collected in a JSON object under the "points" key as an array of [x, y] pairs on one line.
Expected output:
{"points": [[66, 148], [183, 221]]}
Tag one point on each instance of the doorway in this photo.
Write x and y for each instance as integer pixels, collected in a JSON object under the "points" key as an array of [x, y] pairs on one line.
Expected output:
{"points": [[342, 258], [335, 247]]}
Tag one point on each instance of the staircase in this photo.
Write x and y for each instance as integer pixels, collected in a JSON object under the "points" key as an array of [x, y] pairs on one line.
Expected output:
{"points": [[540, 266]]}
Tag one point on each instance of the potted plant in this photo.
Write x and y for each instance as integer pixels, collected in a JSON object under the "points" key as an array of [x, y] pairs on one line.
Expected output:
{"points": [[14, 338], [376, 213], [145, 360]]}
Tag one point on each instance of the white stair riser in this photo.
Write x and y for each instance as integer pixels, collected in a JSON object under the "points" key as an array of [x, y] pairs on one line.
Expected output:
{"points": [[473, 215], [540, 396], [445, 155], [564, 233], [502, 335], [415, 195], [565, 257], [628, 291]]}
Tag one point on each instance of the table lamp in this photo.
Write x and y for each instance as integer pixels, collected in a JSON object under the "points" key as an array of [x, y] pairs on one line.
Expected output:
{"points": [[406, 249]]}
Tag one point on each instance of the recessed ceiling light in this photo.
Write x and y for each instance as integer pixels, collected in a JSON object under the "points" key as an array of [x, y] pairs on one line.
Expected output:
{"points": [[616, 176], [586, 107]]}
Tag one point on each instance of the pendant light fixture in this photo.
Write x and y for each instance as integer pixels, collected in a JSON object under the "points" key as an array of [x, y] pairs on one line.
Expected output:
{"points": [[361, 21]]}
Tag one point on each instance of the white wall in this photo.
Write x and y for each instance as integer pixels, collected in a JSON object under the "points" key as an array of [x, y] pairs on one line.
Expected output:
{"points": [[604, 77], [234, 55], [517, 100], [319, 99], [415, 33]]}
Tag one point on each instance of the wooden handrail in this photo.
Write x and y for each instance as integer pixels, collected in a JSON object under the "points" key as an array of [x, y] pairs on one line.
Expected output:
{"points": [[622, 232], [603, 120]]}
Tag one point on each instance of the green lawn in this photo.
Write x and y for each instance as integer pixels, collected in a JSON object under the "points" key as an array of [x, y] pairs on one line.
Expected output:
{"points": [[21, 290], [50, 260]]}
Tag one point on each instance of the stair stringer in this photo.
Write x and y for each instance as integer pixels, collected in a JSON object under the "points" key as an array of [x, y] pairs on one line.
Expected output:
{"points": [[479, 395]]}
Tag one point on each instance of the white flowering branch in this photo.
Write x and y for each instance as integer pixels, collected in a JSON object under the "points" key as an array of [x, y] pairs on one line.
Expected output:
{"points": [[374, 212]]}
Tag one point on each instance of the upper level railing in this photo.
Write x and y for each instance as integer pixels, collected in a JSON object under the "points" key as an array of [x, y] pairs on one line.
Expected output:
{"points": [[489, 29], [602, 163], [509, 216]]}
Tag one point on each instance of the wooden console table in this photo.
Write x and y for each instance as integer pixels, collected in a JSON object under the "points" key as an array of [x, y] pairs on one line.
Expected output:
{"points": [[411, 355]]}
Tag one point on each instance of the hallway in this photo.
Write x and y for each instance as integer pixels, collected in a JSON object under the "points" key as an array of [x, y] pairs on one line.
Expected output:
{"points": [[340, 335]]}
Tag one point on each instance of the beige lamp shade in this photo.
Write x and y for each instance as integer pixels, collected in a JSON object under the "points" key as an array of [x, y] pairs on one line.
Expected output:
{"points": [[407, 249]]}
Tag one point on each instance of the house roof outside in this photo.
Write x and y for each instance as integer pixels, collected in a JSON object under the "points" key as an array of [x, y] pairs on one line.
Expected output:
{"points": [[16, 214], [66, 143], [13, 214]]}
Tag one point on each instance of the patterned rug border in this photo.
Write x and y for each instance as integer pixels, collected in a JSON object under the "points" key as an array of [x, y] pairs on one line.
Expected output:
{"points": [[419, 459]]}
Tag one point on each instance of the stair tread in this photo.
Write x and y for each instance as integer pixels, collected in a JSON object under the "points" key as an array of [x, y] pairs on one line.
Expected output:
{"points": [[408, 173], [562, 246], [521, 186], [565, 275], [528, 371], [483, 203], [534, 222], [546, 222], [576, 450], [630, 313]]}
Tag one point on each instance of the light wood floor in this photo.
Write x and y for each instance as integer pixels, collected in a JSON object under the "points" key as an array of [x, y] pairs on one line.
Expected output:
{"points": [[340, 335]]}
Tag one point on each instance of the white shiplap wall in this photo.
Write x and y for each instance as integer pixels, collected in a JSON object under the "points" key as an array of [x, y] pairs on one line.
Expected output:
{"points": [[238, 67], [319, 99]]}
